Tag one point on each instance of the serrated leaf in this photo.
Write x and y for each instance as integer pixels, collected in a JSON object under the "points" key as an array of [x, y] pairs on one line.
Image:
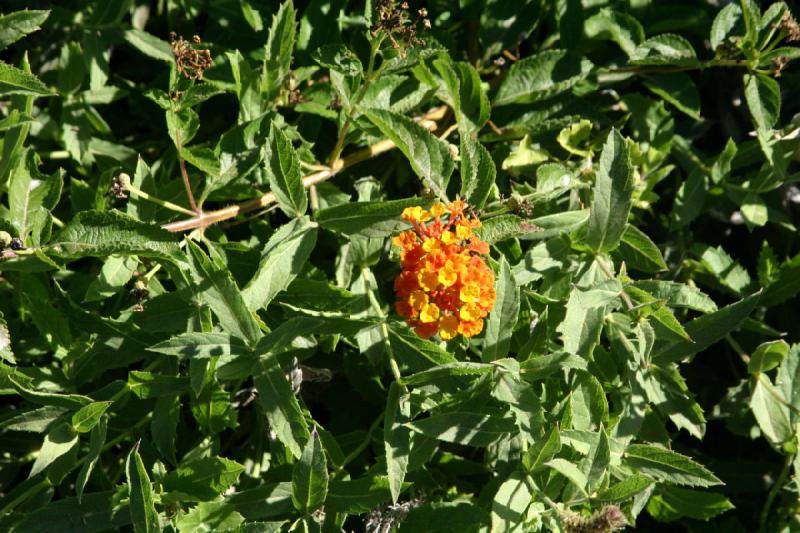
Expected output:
{"points": [[503, 317], [469, 429], [728, 18], [478, 172], [612, 195], [218, 290], [396, 438], [763, 95], [664, 49], [672, 503], [210, 517], [366, 219], [625, 489], [339, 58], [17, 81], [282, 259], [88, 416], [689, 200], [569, 471], [639, 252], [142, 509], [429, 157], [201, 345], [678, 89], [583, 322], [30, 191], [201, 479], [708, 329], [148, 385], [412, 350], [281, 407], [668, 466], [17, 24], [678, 295], [96, 233], [541, 76], [310, 477], [767, 356], [621, 28], [510, 503], [283, 168], [278, 51]]}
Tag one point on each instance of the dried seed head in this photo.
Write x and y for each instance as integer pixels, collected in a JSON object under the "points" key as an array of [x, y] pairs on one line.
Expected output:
{"points": [[119, 186], [399, 27], [606, 520], [384, 519], [191, 62], [790, 26]]}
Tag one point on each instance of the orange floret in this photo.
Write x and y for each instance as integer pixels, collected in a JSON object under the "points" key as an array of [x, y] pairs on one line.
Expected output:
{"points": [[445, 286]]}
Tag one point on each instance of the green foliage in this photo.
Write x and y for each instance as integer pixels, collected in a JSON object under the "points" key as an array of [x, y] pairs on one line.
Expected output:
{"points": [[197, 329]]}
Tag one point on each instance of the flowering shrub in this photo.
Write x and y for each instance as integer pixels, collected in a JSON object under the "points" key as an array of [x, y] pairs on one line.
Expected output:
{"points": [[399, 266], [445, 286]]}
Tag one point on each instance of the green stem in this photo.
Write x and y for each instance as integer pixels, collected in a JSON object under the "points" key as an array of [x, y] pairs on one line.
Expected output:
{"points": [[376, 306], [43, 484], [701, 65], [370, 75], [362, 445], [773, 493], [130, 187]]}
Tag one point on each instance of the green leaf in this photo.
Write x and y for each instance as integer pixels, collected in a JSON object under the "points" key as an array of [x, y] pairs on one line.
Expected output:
{"points": [[60, 440], [17, 24], [672, 503], [503, 318], [278, 51], [396, 438], [767, 356], [678, 89], [16, 81], [763, 95], [430, 157], [541, 76], [182, 126], [149, 45], [210, 517], [639, 252], [143, 511], [201, 346], [754, 210], [569, 471], [164, 425], [689, 200], [313, 295], [356, 496], [201, 479], [770, 410], [583, 322], [445, 517], [478, 172], [464, 93], [625, 489], [621, 28], [310, 477], [708, 329], [366, 219], [87, 417], [100, 234], [469, 429], [283, 168], [148, 385], [97, 439], [726, 20], [95, 512], [339, 58], [281, 407], [282, 259], [31, 194], [218, 290], [612, 196], [116, 272], [449, 370], [668, 466], [665, 49], [678, 295], [542, 451], [410, 348], [510, 503]]}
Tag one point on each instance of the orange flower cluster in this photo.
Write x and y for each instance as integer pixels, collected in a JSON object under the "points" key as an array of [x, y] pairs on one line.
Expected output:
{"points": [[445, 286]]}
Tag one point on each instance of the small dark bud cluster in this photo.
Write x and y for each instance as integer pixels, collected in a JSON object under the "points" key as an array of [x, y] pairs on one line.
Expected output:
{"points": [[140, 293], [7, 242], [398, 25], [118, 188], [191, 61], [520, 206]]}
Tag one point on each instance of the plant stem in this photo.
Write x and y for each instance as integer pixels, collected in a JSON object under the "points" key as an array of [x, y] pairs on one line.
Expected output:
{"points": [[362, 445], [185, 174], [163, 203], [368, 77], [376, 306], [773, 493], [624, 295], [213, 217]]}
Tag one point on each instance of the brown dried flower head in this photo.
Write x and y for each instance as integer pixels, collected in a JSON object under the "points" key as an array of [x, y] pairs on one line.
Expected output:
{"points": [[191, 61], [790, 26], [398, 25]]}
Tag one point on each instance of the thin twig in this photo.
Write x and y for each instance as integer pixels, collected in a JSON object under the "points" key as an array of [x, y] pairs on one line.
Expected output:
{"points": [[212, 217], [184, 174]]}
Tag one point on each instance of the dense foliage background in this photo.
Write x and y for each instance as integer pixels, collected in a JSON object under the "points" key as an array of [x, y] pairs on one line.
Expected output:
{"points": [[230, 359]]}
